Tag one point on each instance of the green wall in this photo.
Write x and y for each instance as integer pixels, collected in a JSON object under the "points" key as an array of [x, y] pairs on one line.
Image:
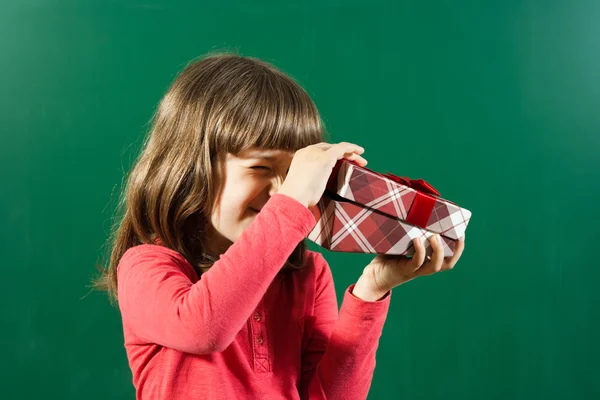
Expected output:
{"points": [[493, 102]]}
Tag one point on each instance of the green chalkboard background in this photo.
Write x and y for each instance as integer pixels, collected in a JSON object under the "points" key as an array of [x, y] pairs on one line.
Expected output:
{"points": [[496, 103]]}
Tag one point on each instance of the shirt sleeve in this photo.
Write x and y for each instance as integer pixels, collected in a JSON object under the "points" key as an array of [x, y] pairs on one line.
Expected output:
{"points": [[339, 359], [160, 304]]}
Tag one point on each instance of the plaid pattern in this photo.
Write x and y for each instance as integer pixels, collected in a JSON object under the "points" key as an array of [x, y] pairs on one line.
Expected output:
{"points": [[346, 227], [394, 199], [371, 216]]}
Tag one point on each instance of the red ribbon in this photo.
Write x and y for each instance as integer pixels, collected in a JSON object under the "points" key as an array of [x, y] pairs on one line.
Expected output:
{"points": [[422, 207], [417, 184], [424, 202]]}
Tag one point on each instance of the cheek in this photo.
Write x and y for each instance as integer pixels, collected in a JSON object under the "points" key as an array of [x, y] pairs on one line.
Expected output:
{"points": [[240, 194]]}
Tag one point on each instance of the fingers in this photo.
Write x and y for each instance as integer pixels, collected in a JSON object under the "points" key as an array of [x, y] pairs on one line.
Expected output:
{"points": [[340, 150], [419, 255], [458, 250], [437, 259], [438, 262], [349, 151], [355, 157]]}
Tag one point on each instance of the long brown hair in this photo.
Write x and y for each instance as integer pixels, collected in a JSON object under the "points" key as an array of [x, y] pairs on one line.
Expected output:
{"points": [[222, 103]]}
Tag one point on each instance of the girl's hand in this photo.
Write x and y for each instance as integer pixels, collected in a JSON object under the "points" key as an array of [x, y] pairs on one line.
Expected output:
{"points": [[311, 167], [386, 272]]}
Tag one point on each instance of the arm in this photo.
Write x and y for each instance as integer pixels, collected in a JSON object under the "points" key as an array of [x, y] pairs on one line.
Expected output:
{"points": [[340, 357], [159, 303]]}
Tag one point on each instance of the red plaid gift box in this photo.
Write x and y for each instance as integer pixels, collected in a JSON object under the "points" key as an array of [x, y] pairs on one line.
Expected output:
{"points": [[363, 211]]}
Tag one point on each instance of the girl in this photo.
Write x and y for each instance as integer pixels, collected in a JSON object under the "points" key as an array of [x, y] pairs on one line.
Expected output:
{"points": [[220, 299]]}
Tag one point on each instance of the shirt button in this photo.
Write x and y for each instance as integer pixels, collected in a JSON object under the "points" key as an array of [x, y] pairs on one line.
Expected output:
{"points": [[259, 339], [257, 316]]}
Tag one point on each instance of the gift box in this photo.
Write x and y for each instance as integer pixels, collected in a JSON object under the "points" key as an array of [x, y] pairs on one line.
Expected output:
{"points": [[363, 211]]}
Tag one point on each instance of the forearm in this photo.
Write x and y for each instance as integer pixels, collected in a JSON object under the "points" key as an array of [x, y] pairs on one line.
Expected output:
{"points": [[366, 290]]}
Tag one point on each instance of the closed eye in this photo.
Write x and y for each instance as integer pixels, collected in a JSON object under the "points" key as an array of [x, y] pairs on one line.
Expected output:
{"points": [[262, 167]]}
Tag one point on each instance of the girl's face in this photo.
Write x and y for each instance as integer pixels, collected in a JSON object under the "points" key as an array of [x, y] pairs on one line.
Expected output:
{"points": [[247, 182]]}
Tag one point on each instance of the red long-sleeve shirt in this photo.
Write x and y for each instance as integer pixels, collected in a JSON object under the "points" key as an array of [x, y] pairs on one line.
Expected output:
{"points": [[243, 331]]}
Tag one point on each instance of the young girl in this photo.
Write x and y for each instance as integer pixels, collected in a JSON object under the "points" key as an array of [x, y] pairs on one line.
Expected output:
{"points": [[219, 296]]}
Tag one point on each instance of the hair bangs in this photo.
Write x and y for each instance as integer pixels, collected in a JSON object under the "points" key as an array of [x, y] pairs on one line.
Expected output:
{"points": [[272, 113]]}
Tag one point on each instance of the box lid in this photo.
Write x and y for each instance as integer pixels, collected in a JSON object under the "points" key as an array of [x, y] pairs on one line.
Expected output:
{"points": [[383, 193]]}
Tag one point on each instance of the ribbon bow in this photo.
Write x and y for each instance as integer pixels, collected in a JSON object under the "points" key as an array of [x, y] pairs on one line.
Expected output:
{"points": [[419, 185], [424, 202]]}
